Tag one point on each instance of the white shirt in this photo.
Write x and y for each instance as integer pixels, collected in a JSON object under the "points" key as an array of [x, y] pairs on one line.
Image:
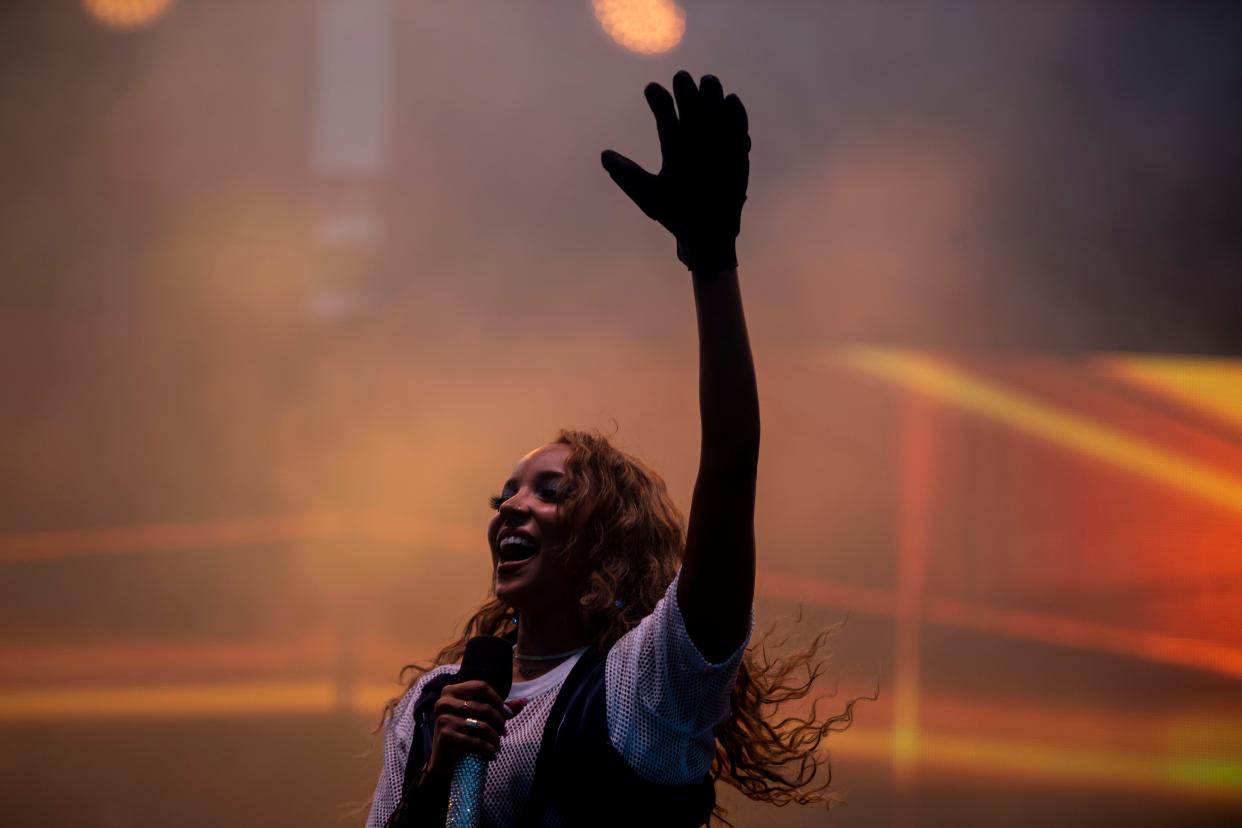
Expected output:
{"points": [[663, 698]]}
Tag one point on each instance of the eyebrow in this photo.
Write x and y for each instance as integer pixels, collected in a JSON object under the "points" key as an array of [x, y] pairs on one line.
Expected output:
{"points": [[538, 476]]}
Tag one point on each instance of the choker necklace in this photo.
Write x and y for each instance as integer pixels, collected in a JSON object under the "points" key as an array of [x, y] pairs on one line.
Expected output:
{"points": [[552, 657]]}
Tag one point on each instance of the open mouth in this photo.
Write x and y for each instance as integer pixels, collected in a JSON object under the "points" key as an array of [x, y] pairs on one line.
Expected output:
{"points": [[514, 551]]}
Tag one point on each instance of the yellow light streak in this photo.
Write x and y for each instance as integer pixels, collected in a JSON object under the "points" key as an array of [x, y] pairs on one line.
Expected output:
{"points": [[1048, 762], [1211, 385], [1022, 759], [1083, 435], [318, 696], [165, 701]]}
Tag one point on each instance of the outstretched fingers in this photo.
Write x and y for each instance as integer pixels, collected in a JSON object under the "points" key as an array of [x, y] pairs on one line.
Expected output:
{"points": [[661, 103], [687, 96], [636, 182], [711, 100], [704, 165], [735, 123]]}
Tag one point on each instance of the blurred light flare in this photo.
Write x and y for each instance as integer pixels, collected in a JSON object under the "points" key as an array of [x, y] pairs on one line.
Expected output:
{"points": [[647, 27], [917, 460], [170, 701], [126, 15], [1083, 435], [970, 753], [1210, 385]]}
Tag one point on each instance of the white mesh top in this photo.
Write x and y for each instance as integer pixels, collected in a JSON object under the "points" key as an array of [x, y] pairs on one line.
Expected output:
{"points": [[664, 701]]}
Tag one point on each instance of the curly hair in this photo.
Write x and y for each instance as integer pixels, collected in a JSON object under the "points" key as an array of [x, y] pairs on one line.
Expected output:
{"points": [[633, 536]]}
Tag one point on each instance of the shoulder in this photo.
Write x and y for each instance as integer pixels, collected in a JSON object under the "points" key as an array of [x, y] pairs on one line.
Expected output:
{"points": [[665, 699], [663, 635], [426, 678], [402, 722]]}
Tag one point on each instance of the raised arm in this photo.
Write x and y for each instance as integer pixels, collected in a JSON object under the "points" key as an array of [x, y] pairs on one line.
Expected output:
{"points": [[717, 582], [698, 196]]}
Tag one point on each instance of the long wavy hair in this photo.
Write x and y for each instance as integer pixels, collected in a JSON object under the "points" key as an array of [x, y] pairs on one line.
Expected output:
{"points": [[633, 536]]}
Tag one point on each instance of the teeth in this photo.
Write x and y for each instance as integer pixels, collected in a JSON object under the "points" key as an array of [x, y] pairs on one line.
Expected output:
{"points": [[513, 540]]}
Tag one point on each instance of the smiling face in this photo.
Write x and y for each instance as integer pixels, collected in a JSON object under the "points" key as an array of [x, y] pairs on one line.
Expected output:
{"points": [[529, 525]]}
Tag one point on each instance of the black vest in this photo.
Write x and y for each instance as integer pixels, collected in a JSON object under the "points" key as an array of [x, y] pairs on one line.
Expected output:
{"points": [[578, 772]]}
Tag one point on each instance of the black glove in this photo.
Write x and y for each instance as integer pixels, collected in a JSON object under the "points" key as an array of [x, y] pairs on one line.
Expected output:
{"points": [[699, 192]]}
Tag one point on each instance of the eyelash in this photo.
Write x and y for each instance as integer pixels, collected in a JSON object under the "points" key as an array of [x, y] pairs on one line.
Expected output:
{"points": [[547, 493]]}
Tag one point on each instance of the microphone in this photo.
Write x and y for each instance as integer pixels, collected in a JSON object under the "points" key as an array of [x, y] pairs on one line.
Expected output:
{"points": [[490, 659]]}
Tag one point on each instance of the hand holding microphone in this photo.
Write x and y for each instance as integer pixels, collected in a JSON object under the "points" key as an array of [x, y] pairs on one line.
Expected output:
{"points": [[469, 721], [470, 718]]}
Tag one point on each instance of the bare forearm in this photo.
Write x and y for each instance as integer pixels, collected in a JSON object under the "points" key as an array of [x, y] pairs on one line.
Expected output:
{"points": [[728, 394], [718, 572]]}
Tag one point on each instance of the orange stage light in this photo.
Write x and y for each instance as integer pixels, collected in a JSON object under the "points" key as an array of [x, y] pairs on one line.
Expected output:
{"points": [[648, 27], [127, 14]]}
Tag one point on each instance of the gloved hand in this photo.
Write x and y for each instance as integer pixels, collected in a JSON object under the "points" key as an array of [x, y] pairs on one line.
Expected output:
{"points": [[699, 191]]}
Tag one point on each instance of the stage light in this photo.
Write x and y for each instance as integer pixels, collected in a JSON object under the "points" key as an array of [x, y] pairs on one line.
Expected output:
{"points": [[126, 14], [644, 26]]}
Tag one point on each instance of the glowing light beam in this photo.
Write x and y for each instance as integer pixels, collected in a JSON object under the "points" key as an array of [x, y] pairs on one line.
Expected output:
{"points": [[1211, 385], [1083, 435]]}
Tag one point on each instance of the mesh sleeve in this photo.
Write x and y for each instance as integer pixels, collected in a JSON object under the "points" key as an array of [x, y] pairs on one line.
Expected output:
{"points": [[398, 733], [664, 699]]}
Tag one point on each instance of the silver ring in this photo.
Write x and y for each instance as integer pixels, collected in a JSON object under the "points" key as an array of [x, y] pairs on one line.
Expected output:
{"points": [[473, 724]]}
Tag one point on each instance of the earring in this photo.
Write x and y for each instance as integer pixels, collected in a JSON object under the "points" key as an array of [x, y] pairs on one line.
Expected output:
{"points": [[618, 604], [515, 618]]}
